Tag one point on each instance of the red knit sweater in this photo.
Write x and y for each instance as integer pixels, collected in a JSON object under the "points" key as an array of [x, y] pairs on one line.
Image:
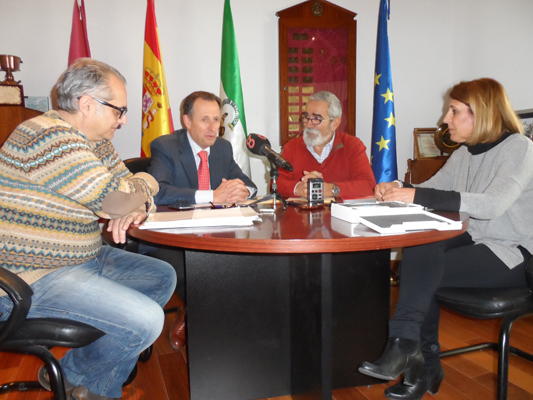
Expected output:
{"points": [[347, 166]]}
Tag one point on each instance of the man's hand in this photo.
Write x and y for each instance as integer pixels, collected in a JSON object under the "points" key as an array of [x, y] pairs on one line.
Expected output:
{"points": [[119, 226], [301, 189], [389, 191], [232, 191]]}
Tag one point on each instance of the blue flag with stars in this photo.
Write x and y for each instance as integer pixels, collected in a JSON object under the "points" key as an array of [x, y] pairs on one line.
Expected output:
{"points": [[383, 149]]}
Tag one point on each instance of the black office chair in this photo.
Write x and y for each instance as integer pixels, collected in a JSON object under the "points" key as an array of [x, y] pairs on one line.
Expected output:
{"points": [[138, 164], [480, 303], [36, 335], [135, 165]]}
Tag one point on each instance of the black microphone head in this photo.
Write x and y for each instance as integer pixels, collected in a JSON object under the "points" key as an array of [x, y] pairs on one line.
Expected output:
{"points": [[256, 142]]}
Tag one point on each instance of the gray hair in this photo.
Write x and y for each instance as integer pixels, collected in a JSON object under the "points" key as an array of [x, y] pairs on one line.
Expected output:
{"points": [[334, 104], [85, 76]]}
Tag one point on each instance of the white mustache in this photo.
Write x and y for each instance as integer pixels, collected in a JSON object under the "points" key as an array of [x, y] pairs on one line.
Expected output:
{"points": [[312, 130]]}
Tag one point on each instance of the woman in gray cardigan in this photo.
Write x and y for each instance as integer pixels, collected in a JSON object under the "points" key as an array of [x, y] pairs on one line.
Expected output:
{"points": [[490, 178]]}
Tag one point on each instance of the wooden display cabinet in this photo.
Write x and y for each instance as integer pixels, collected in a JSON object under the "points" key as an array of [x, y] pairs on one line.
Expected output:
{"points": [[317, 51]]}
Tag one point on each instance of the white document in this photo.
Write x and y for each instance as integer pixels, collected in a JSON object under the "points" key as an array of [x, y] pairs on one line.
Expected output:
{"points": [[393, 217], [353, 230], [237, 216], [353, 211], [402, 223]]}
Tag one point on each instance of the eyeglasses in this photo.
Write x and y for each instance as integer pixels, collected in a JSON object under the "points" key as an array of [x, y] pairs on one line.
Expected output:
{"points": [[123, 110], [315, 121]]}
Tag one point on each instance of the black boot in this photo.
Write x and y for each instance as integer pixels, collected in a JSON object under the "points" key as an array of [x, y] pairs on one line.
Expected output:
{"points": [[429, 380], [400, 356]]}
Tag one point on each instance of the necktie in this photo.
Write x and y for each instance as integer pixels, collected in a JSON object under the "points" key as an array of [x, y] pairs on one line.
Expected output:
{"points": [[203, 171]]}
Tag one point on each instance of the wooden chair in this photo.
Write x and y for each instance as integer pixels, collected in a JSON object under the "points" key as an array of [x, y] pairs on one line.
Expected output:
{"points": [[421, 170]]}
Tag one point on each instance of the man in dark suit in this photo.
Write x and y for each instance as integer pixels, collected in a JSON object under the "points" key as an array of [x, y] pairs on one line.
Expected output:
{"points": [[177, 164], [194, 165]]}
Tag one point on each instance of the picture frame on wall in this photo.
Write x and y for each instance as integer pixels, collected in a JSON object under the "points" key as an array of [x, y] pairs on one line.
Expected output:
{"points": [[425, 146], [526, 116], [39, 103]]}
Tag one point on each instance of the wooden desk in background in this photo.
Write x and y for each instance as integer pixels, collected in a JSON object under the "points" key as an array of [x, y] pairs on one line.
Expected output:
{"points": [[289, 306]]}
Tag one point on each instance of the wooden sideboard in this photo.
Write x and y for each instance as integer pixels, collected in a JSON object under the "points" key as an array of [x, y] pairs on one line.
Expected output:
{"points": [[11, 117]]}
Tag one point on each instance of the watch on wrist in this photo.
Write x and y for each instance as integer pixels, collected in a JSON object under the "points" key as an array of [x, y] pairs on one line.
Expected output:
{"points": [[400, 183], [335, 190]]}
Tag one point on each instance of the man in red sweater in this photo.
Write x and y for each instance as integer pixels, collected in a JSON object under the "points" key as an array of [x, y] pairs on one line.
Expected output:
{"points": [[321, 152]]}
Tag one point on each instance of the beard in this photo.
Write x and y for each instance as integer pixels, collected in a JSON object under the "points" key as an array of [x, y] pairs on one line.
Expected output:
{"points": [[316, 140]]}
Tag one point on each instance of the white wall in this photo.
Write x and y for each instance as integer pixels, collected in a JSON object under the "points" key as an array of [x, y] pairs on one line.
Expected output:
{"points": [[434, 44], [496, 41]]}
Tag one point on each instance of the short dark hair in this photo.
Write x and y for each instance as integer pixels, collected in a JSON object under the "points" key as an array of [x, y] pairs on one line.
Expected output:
{"points": [[188, 103]]}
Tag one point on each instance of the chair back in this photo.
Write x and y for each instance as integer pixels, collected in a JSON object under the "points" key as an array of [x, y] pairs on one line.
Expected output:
{"points": [[137, 164]]}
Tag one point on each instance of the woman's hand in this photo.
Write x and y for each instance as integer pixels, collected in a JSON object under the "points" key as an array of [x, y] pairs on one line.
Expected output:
{"points": [[389, 191], [382, 188]]}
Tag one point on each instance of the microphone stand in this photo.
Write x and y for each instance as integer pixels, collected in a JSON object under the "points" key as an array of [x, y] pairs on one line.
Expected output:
{"points": [[274, 173]]}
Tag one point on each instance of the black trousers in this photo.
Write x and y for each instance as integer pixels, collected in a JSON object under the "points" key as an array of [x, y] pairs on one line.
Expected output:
{"points": [[456, 262]]}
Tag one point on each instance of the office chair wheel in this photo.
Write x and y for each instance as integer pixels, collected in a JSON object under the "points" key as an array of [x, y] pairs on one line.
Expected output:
{"points": [[145, 355]]}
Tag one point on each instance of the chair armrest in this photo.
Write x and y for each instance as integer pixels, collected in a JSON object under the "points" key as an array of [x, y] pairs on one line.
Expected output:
{"points": [[20, 293], [14, 286]]}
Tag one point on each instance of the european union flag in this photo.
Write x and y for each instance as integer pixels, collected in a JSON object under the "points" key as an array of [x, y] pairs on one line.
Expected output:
{"points": [[383, 149]]}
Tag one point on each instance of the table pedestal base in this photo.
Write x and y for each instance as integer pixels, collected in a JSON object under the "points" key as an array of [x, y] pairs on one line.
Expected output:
{"points": [[271, 325]]}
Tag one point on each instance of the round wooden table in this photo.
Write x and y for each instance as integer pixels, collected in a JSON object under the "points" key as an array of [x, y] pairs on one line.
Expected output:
{"points": [[290, 306], [296, 232]]}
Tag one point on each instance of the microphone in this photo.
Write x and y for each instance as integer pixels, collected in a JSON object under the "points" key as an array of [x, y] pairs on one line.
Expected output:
{"points": [[258, 144]]}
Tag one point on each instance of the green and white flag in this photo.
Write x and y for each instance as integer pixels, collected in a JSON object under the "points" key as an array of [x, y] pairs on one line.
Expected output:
{"points": [[233, 122]]}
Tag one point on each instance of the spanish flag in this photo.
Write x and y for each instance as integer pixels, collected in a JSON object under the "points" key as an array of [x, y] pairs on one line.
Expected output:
{"points": [[156, 114]]}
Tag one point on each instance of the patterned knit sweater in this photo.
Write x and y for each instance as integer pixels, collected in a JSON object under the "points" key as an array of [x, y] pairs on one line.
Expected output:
{"points": [[52, 185]]}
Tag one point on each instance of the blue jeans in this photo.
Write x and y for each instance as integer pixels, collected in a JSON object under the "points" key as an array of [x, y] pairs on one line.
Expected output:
{"points": [[118, 292]]}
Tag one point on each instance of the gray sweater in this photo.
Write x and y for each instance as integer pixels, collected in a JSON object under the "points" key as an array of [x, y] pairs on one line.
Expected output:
{"points": [[496, 190]]}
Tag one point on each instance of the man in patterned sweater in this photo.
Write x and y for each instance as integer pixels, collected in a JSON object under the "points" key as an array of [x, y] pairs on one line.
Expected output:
{"points": [[59, 173]]}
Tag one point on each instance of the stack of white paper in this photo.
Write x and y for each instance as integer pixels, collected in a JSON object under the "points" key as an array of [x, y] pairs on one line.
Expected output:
{"points": [[237, 216]]}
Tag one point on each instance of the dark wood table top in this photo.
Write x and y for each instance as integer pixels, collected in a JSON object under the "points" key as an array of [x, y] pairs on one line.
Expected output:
{"points": [[294, 231]]}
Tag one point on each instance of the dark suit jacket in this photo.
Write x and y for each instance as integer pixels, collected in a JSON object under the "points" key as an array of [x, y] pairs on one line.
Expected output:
{"points": [[174, 167]]}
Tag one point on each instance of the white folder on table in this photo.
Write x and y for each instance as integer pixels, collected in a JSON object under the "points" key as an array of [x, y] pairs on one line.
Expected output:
{"points": [[393, 217], [236, 216]]}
